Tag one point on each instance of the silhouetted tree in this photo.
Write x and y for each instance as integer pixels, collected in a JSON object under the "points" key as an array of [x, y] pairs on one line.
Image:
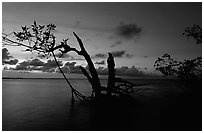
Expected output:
{"points": [[41, 39], [188, 70], [111, 74]]}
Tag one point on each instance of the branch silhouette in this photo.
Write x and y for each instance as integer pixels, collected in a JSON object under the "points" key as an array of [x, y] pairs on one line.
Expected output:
{"points": [[41, 39]]}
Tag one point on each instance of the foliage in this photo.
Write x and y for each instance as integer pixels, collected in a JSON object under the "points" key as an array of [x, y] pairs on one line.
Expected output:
{"points": [[195, 32], [186, 70], [38, 38], [166, 65]]}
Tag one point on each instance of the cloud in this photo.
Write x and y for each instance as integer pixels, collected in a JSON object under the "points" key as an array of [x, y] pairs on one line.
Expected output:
{"points": [[129, 55], [75, 59], [70, 64], [36, 62], [122, 71], [30, 65], [128, 31], [11, 62], [22, 66], [71, 67], [126, 71], [7, 58], [99, 55], [68, 57], [52, 63], [59, 55], [40, 56], [5, 54], [120, 54], [124, 32], [100, 62], [146, 56], [116, 54], [51, 66]]}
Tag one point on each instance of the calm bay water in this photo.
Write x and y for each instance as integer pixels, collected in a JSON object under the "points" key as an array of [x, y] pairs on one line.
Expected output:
{"points": [[45, 104], [34, 104]]}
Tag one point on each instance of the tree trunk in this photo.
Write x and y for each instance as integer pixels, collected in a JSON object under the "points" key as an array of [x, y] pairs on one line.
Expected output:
{"points": [[111, 74], [96, 82]]}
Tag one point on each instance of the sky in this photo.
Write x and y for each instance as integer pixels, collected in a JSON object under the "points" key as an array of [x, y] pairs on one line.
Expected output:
{"points": [[137, 33]]}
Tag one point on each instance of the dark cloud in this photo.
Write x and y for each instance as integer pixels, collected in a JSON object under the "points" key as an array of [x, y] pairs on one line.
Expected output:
{"points": [[71, 67], [11, 62], [52, 63], [75, 59], [129, 55], [118, 54], [5, 54], [51, 66], [70, 64], [126, 71], [7, 58], [124, 32], [40, 56], [128, 31], [122, 71], [68, 57], [145, 56], [22, 66], [30, 65], [36, 62], [100, 62], [99, 55], [59, 55]]}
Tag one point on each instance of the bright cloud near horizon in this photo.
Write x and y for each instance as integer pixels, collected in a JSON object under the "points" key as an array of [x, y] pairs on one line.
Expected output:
{"points": [[137, 33]]}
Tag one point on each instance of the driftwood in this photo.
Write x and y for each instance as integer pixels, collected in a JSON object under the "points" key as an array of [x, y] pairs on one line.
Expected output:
{"points": [[123, 87]]}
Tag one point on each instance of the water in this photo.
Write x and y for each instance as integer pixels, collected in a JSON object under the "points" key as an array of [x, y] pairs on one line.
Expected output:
{"points": [[45, 104], [38, 104]]}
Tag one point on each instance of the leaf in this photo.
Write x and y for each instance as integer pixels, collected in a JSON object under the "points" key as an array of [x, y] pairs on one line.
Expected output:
{"points": [[34, 23], [41, 27], [27, 50], [23, 28]]}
